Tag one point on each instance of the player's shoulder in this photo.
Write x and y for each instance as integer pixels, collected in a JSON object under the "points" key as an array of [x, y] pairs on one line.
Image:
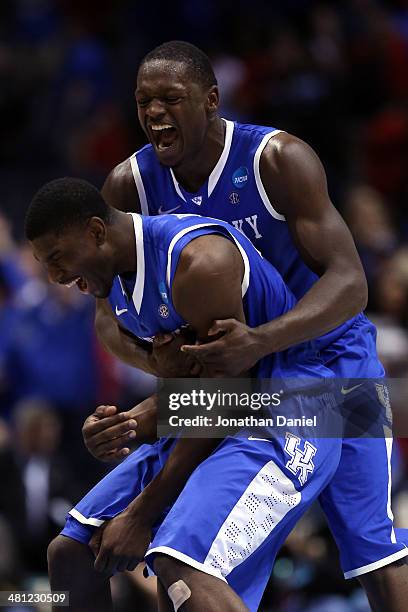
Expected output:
{"points": [[284, 148], [211, 253]]}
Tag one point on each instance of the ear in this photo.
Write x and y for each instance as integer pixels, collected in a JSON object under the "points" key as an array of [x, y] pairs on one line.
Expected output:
{"points": [[97, 230], [213, 100]]}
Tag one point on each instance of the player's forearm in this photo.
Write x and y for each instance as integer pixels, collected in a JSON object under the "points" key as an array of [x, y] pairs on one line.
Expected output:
{"points": [[121, 345], [329, 303], [164, 489]]}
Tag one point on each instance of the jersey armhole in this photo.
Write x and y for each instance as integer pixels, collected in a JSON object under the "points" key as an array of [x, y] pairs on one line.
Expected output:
{"points": [[212, 228], [137, 176], [258, 180]]}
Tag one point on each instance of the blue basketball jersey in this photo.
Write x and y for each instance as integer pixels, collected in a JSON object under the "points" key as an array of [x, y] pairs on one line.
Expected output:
{"points": [[233, 193], [143, 303]]}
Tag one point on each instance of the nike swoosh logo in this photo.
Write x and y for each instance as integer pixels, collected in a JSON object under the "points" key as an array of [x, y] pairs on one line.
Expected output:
{"points": [[259, 439], [167, 211], [119, 312], [347, 391]]}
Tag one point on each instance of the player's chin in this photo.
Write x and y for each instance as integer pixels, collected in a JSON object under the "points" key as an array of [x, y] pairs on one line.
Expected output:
{"points": [[169, 156], [101, 292]]}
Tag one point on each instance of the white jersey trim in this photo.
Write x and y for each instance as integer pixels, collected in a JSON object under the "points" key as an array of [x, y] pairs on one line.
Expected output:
{"points": [[85, 521], [176, 185], [139, 184], [220, 165], [138, 290], [186, 230], [258, 180], [364, 569]]}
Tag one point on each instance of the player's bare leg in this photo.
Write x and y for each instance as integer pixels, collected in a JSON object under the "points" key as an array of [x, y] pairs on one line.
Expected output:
{"points": [[205, 592], [163, 600], [71, 568], [387, 587]]}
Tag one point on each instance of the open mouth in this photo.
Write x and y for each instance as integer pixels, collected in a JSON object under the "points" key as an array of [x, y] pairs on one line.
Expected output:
{"points": [[82, 285], [163, 136], [79, 281], [71, 282]]}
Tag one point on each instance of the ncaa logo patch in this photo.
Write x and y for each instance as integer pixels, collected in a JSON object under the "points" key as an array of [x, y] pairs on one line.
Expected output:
{"points": [[163, 311], [240, 177]]}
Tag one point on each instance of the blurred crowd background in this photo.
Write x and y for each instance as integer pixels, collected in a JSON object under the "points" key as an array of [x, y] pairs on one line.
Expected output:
{"points": [[333, 73]]}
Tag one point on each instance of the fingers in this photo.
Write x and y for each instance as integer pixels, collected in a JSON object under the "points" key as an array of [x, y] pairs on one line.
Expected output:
{"points": [[202, 351], [115, 444], [162, 339], [101, 561], [105, 411], [221, 325], [95, 427]]}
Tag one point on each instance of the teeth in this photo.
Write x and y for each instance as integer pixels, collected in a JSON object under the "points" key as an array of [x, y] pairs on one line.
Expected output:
{"points": [[72, 283], [157, 128]]}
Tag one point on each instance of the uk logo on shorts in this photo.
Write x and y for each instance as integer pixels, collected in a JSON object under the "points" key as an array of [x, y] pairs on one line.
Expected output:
{"points": [[164, 311], [300, 464], [240, 177]]}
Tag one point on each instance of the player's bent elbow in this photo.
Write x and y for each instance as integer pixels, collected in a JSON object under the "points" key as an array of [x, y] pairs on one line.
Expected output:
{"points": [[357, 292]]}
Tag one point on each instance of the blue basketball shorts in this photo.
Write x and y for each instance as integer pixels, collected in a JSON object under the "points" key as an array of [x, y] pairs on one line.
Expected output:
{"points": [[236, 509], [357, 501]]}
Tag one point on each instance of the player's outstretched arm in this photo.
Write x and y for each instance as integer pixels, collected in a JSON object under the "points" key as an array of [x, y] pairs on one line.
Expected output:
{"points": [[207, 266], [295, 183]]}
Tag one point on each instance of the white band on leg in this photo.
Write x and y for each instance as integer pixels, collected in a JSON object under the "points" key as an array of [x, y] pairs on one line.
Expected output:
{"points": [[178, 593]]}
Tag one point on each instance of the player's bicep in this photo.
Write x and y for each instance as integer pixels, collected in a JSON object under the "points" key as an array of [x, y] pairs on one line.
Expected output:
{"points": [[323, 241], [295, 181], [207, 284]]}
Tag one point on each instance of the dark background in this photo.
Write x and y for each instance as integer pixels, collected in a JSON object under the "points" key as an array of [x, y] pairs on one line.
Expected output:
{"points": [[333, 73]]}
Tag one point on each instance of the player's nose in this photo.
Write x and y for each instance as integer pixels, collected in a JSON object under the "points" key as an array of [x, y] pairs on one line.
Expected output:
{"points": [[155, 109]]}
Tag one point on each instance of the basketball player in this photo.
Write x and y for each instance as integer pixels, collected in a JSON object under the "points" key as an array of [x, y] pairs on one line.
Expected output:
{"points": [[221, 536], [272, 187]]}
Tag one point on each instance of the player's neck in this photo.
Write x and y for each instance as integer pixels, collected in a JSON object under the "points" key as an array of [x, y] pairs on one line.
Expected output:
{"points": [[193, 172]]}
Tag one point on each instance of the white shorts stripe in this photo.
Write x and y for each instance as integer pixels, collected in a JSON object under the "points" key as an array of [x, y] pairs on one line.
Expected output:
{"points": [[265, 502], [85, 521], [377, 564], [171, 552]]}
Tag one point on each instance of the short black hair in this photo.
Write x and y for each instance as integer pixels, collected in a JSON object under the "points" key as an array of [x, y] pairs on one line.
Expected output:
{"points": [[197, 63], [63, 203]]}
